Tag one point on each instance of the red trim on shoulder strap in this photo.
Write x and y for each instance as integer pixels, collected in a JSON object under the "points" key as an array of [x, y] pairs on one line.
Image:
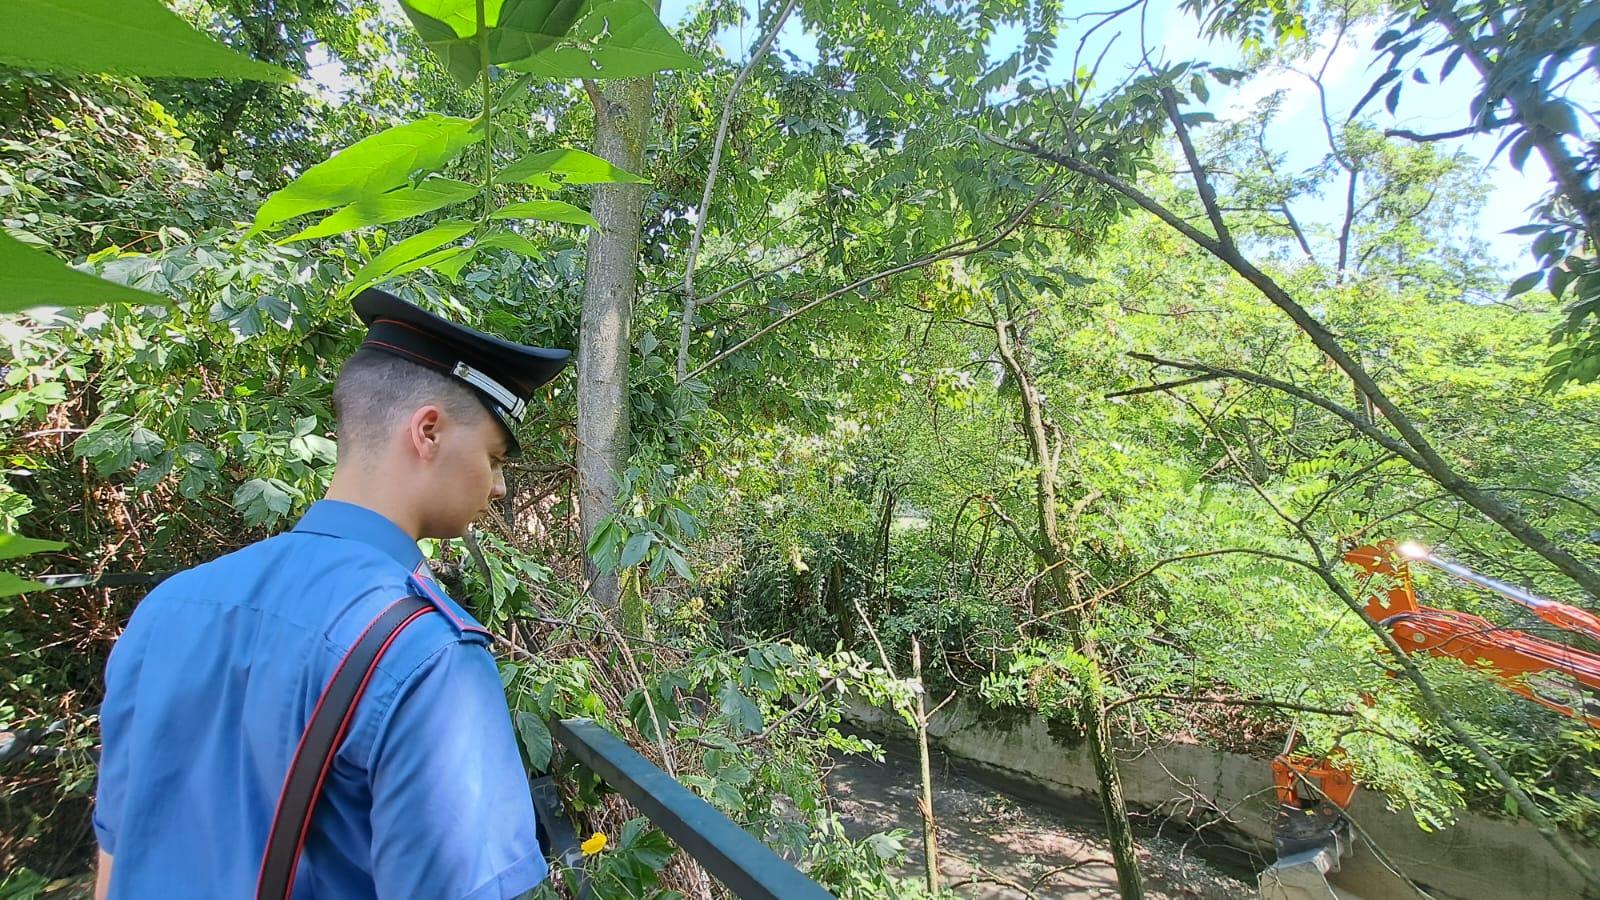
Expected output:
{"points": [[424, 579], [344, 725]]}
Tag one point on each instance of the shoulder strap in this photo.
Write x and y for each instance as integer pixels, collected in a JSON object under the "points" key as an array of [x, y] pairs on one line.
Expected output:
{"points": [[320, 741]]}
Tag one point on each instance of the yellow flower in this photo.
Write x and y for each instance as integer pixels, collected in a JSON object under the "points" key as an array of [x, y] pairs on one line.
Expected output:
{"points": [[593, 845]]}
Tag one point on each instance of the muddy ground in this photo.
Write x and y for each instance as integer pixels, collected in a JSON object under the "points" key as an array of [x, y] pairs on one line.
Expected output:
{"points": [[998, 846]]}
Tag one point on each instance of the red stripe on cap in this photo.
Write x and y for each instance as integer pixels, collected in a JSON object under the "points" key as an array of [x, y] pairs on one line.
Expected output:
{"points": [[414, 329], [404, 352]]}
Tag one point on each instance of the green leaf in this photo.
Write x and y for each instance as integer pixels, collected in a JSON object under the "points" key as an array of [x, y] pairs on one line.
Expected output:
{"points": [[401, 252], [122, 37], [679, 564], [645, 844], [1524, 284], [15, 545], [740, 710], [536, 740], [431, 261], [616, 39], [633, 552], [1521, 149], [451, 266], [368, 168], [517, 29], [263, 500], [509, 240], [400, 203], [565, 166], [12, 585], [547, 210], [29, 278], [460, 15]]}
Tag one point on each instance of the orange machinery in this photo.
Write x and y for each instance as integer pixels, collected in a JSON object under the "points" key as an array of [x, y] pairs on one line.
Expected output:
{"points": [[1312, 792]]}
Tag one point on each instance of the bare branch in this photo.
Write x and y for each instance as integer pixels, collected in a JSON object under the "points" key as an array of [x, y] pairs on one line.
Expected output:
{"points": [[1208, 196], [1355, 420], [1410, 135], [685, 326], [1164, 386]]}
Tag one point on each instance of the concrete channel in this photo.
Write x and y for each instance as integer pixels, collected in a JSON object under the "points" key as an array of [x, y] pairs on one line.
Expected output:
{"points": [[1222, 805]]}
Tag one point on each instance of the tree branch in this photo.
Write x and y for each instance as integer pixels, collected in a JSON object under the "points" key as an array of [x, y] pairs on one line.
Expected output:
{"points": [[1351, 417], [1208, 196], [1230, 701], [1410, 135], [1420, 452], [1164, 386], [687, 324], [951, 251]]}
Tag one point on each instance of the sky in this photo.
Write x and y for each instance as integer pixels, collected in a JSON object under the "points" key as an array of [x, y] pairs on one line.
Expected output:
{"points": [[1174, 36]]}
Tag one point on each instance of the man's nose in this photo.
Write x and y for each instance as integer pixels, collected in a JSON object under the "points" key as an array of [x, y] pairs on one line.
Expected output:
{"points": [[499, 489]]}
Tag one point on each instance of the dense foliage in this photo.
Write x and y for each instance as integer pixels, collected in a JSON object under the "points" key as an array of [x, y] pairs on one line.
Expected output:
{"points": [[910, 254]]}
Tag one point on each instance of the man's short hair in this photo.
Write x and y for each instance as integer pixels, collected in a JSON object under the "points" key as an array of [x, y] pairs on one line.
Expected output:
{"points": [[375, 389]]}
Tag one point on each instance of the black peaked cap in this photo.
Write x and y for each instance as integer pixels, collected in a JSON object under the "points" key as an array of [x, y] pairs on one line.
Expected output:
{"points": [[502, 374]]}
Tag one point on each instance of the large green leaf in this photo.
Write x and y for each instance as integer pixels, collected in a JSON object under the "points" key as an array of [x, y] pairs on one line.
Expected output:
{"points": [[401, 252], [369, 167], [15, 545], [12, 585], [460, 15], [517, 29], [451, 266], [535, 739], [547, 210], [565, 166], [30, 278], [123, 37], [509, 240], [615, 39], [400, 203], [741, 712], [433, 261], [527, 27]]}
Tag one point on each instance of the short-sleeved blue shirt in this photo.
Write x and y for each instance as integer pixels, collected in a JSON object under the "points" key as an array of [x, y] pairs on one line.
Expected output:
{"points": [[211, 685]]}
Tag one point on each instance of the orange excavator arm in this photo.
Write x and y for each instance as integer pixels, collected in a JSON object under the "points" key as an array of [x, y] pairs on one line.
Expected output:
{"points": [[1313, 791], [1563, 678]]}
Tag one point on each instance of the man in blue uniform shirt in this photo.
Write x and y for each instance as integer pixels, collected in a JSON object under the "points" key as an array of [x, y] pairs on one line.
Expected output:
{"points": [[211, 686]]}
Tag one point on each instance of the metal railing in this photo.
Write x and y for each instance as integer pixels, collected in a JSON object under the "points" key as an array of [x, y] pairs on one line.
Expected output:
{"points": [[727, 852]]}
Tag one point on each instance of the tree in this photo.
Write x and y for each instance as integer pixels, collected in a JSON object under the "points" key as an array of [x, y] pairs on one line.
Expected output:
{"points": [[1527, 57], [622, 112]]}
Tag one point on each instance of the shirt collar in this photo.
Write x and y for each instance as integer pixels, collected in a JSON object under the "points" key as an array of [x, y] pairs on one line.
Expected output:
{"points": [[335, 518]]}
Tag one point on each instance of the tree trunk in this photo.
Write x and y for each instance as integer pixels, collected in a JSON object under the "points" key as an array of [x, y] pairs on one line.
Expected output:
{"points": [[622, 124], [1053, 554]]}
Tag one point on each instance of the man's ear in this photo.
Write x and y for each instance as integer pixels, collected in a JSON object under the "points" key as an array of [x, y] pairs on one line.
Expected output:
{"points": [[424, 429]]}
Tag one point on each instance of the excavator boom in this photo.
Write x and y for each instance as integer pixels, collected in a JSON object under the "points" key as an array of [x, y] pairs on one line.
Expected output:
{"points": [[1312, 832], [1563, 678]]}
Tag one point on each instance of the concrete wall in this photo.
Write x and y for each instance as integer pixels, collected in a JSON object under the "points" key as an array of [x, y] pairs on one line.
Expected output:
{"points": [[1229, 797]]}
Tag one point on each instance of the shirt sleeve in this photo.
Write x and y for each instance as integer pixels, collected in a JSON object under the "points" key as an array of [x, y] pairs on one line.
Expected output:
{"points": [[452, 816], [115, 712]]}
